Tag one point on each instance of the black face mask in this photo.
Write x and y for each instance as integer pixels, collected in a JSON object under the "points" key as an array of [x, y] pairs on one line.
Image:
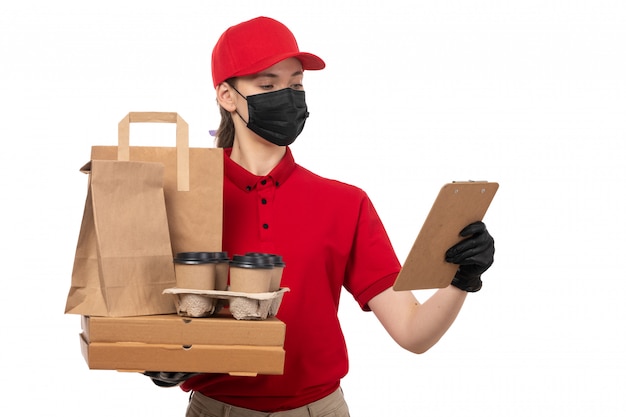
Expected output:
{"points": [[277, 116]]}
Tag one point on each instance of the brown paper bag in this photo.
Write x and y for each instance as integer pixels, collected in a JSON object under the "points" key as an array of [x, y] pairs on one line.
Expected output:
{"points": [[193, 181], [123, 257]]}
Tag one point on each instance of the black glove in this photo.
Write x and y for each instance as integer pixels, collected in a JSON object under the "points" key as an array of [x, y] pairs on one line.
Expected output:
{"points": [[168, 379], [474, 255]]}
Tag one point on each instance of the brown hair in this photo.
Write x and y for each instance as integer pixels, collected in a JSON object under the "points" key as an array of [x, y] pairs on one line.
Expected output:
{"points": [[225, 135]]}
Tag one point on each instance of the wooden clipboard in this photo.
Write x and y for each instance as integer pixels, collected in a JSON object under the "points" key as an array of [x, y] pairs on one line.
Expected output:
{"points": [[457, 205]]}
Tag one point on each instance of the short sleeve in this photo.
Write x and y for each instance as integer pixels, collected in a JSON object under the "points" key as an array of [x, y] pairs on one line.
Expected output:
{"points": [[373, 265]]}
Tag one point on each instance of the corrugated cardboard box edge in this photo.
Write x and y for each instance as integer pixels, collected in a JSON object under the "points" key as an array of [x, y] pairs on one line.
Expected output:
{"points": [[139, 357], [174, 329]]}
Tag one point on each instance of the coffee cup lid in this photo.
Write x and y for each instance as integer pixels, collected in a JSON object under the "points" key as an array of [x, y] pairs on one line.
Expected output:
{"points": [[199, 257], [276, 260], [251, 260], [218, 256]]}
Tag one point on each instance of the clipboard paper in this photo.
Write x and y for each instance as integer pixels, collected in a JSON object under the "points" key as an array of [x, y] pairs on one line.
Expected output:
{"points": [[457, 205]]}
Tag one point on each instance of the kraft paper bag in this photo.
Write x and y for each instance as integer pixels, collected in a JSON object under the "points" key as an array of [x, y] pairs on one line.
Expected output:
{"points": [[123, 258], [193, 181]]}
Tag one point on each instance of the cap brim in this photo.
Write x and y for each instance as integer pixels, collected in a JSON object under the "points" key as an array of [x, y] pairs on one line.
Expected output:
{"points": [[309, 62]]}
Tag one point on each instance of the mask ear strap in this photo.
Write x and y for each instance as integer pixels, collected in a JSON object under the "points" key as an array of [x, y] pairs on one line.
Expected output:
{"points": [[244, 97], [236, 111]]}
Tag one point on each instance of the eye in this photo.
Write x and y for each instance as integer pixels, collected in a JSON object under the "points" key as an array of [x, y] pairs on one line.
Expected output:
{"points": [[297, 86], [267, 86]]}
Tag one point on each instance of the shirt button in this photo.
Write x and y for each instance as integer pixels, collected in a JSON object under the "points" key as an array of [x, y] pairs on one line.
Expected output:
{"points": [[263, 201], [263, 182], [265, 225], [248, 188]]}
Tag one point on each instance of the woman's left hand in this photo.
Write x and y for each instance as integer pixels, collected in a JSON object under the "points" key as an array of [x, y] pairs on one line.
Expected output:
{"points": [[474, 255]]}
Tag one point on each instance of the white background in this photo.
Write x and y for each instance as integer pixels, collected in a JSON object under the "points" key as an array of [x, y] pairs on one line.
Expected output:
{"points": [[531, 94]]}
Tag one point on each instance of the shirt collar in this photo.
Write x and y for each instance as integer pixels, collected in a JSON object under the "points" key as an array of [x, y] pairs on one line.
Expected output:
{"points": [[247, 181]]}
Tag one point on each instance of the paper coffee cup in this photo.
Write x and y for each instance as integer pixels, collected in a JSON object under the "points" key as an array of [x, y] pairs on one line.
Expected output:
{"points": [[250, 273], [221, 261], [195, 270], [277, 271]]}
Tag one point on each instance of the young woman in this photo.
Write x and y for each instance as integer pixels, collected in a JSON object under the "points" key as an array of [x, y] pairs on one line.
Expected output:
{"points": [[327, 232]]}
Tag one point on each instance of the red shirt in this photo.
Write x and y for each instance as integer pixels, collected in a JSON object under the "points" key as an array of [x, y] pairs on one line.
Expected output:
{"points": [[329, 236]]}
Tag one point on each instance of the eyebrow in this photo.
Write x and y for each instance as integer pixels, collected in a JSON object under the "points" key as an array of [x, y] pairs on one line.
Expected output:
{"points": [[272, 75]]}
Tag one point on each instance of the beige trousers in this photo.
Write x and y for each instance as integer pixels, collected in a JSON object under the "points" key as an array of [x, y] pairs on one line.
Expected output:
{"points": [[333, 405]]}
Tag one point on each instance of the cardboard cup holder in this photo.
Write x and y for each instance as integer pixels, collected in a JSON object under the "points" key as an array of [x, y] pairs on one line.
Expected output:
{"points": [[242, 306]]}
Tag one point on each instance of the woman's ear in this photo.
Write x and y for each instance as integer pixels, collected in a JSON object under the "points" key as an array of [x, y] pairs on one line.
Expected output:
{"points": [[225, 97]]}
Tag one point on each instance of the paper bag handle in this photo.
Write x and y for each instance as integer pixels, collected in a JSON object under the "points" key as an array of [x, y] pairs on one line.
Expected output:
{"points": [[182, 140]]}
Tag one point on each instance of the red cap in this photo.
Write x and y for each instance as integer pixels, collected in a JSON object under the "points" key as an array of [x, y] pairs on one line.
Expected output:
{"points": [[254, 45]]}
